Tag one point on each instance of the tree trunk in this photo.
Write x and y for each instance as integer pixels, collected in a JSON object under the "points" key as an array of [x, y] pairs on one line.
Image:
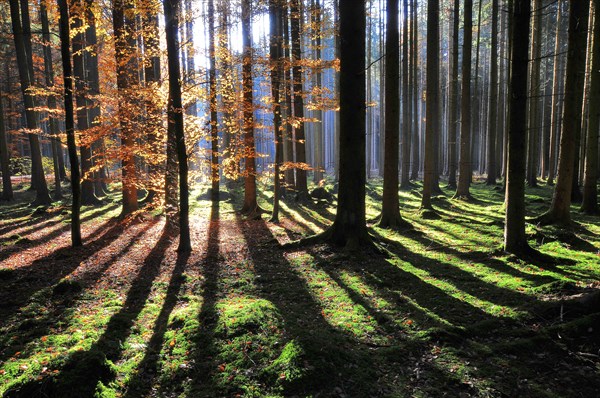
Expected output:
{"points": [[406, 133], [289, 131], [453, 98], [390, 209], [296, 16], [275, 53], [171, 10], [26, 79], [433, 100], [465, 172], [7, 191], [79, 48], [127, 80], [559, 212], [557, 77], [414, 174], [250, 206], [493, 99], [590, 189], [534, 100], [515, 240], [65, 47], [212, 83], [49, 75]]}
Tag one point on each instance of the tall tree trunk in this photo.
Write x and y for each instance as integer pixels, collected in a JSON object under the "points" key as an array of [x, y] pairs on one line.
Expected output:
{"points": [[453, 98], [275, 53], [534, 100], [190, 53], [336, 89], [390, 209], [250, 206], [49, 75], [433, 100], [406, 133], [171, 10], [212, 83], [79, 48], [560, 209], [414, 174], [465, 167], [7, 191], [318, 126], [477, 97], [296, 16], [127, 79], [26, 79], [493, 98], [65, 47], [515, 240], [590, 189], [289, 131]]}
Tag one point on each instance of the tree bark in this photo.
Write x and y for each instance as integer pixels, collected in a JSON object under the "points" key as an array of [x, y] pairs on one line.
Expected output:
{"points": [[65, 47], [465, 167], [7, 191], [24, 62], [433, 101], [406, 133], [493, 99], [590, 188], [560, 209], [453, 98], [212, 86], [414, 174], [515, 240], [534, 100], [171, 10]]}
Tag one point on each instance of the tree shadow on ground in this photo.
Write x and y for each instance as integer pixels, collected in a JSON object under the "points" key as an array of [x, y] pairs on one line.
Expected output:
{"points": [[60, 302], [83, 370]]}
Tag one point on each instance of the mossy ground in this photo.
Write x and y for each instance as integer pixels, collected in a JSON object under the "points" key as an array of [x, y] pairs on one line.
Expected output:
{"points": [[444, 314]]}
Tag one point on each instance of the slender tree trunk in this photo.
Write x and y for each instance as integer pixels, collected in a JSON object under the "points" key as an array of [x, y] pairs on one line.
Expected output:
{"points": [[390, 210], [493, 98], [70, 122], [406, 133], [250, 206], [534, 89], [515, 240], [318, 126], [26, 79], [433, 114], [171, 10], [453, 98], [590, 188], [465, 172], [336, 89], [212, 83], [127, 79], [49, 75], [275, 53], [7, 191], [560, 209], [296, 16], [87, 184], [289, 131], [414, 174]]}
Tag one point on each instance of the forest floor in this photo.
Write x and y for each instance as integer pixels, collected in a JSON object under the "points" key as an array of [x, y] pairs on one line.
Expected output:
{"points": [[444, 313]]}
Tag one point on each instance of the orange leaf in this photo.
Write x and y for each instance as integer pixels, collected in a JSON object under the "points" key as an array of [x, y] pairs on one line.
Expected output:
{"points": [[222, 367], [172, 343], [44, 338]]}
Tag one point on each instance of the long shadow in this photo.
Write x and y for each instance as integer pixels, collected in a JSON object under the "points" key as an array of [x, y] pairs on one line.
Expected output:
{"points": [[141, 382], [204, 350], [21, 284], [83, 370], [330, 354], [60, 302], [31, 243]]}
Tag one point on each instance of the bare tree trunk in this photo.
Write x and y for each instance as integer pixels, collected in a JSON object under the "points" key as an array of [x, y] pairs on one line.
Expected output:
{"points": [[65, 47], [171, 8], [275, 53], [465, 166], [214, 121], [7, 191], [296, 16], [590, 189], [414, 174], [515, 240], [318, 131], [559, 212], [453, 98], [493, 99], [557, 77], [289, 131], [433, 113], [24, 62], [534, 100], [406, 133]]}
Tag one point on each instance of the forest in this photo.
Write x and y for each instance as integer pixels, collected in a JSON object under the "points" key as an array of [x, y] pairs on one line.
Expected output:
{"points": [[299, 198]]}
